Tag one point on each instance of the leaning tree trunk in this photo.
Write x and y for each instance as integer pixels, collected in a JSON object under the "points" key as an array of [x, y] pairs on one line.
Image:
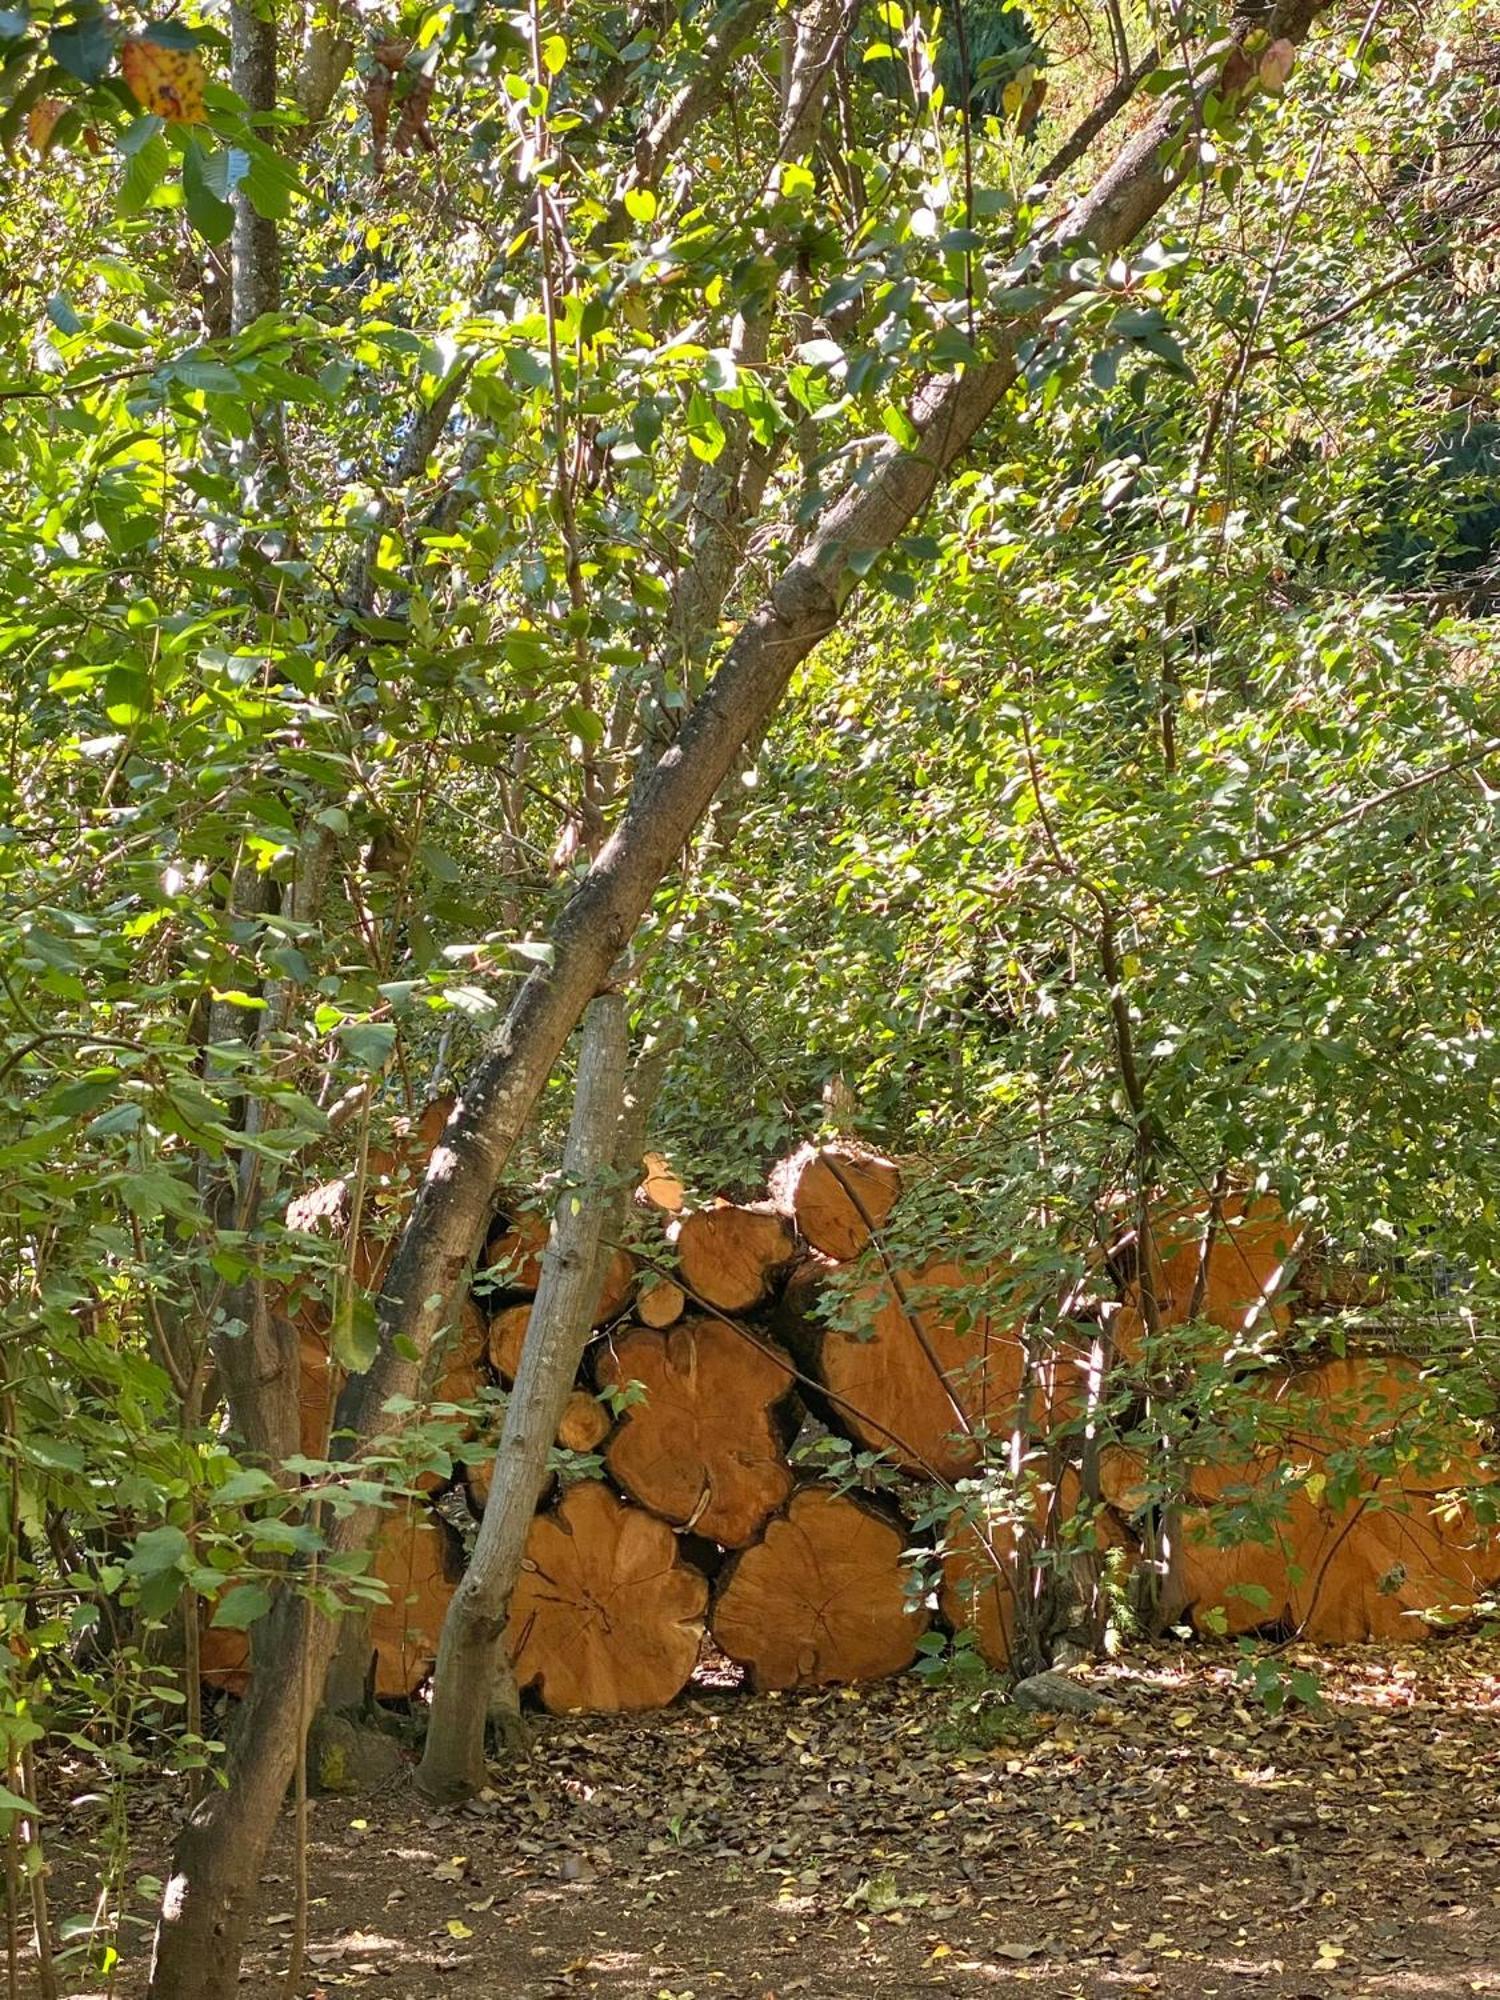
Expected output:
{"points": [[891, 487], [215, 1880], [469, 1653]]}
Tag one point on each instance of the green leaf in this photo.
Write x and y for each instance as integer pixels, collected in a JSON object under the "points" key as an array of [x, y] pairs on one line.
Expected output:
{"points": [[239, 1608], [251, 1484], [204, 185], [355, 1335], [145, 171], [60, 312], [84, 50], [157, 1551], [369, 1042]]}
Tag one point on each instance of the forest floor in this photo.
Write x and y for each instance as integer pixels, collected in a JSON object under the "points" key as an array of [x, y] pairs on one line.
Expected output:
{"points": [[885, 1840]]}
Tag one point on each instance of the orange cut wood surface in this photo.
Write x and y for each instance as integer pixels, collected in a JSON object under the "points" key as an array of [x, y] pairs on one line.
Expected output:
{"points": [[926, 1370], [837, 1195], [1348, 1524], [1238, 1271], [707, 1447], [607, 1614], [821, 1597], [731, 1256], [419, 1560]]}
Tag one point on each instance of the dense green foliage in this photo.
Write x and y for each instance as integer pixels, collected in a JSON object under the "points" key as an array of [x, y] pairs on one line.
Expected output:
{"points": [[331, 646]]}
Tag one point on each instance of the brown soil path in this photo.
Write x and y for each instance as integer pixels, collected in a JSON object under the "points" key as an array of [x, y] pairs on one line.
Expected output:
{"points": [[866, 1842]]}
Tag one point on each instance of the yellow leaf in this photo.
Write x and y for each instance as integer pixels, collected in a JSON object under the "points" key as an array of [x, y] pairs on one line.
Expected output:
{"points": [[457, 1929], [168, 82], [41, 119]]}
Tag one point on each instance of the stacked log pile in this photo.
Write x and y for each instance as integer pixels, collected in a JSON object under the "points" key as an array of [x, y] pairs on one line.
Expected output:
{"points": [[720, 1331]]}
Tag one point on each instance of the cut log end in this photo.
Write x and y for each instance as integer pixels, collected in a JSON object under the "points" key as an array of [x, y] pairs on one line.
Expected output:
{"points": [[660, 1302], [731, 1257], [660, 1187], [607, 1614], [821, 1598], [706, 1449], [419, 1560], [584, 1426], [922, 1370], [838, 1196]]}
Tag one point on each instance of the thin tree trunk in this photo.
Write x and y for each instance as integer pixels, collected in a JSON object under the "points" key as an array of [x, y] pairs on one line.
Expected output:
{"points": [[885, 495], [255, 252], [473, 1632], [206, 1909]]}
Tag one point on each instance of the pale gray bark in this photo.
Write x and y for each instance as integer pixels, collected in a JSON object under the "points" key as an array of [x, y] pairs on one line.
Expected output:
{"points": [[572, 1272], [255, 249], [326, 57]]}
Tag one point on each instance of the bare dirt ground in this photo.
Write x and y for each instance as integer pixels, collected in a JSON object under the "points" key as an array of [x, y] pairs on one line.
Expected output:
{"points": [[875, 1842]]}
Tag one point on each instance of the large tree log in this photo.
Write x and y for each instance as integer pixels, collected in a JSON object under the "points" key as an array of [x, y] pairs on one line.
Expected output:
{"points": [[919, 1368], [822, 1596], [660, 1187], [514, 1261], [419, 1559], [660, 1302], [707, 1448], [507, 1331], [607, 1613], [513, 1250], [836, 1195], [1229, 1264], [730, 1256], [1346, 1525]]}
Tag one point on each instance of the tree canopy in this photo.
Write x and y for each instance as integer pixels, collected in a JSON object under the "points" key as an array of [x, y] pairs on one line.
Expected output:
{"points": [[433, 439]]}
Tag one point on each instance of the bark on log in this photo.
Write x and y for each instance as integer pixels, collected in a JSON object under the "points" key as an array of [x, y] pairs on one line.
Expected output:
{"points": [[707, 1448], [836, 1195], [821, 1597], [923, 1372], [731, 1256], [607, 1614]]}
